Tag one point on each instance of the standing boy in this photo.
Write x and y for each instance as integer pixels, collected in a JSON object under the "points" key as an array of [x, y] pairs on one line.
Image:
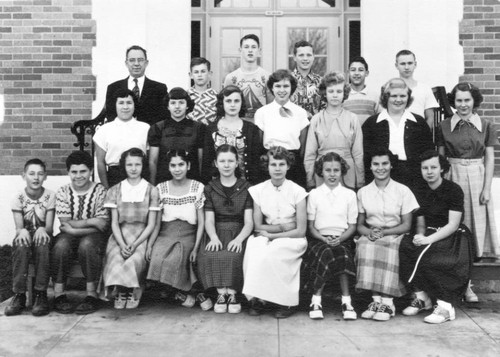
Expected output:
{"points": [[33, 210], [307, 94], [84, 223], [361, 101], [250, 77], [204, 97], [424, 101]]}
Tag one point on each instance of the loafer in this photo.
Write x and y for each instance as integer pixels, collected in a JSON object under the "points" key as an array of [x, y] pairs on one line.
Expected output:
{"points": [[16, 306], [62, 305], [89, 305], [256, 307], [41, 304], [284, 312]]}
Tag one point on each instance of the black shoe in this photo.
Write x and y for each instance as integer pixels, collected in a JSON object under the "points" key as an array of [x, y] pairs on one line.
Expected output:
{"points": [[41, 305], [284, 312], [17, 305], [62, 305], [256, 307], [89, 305]]}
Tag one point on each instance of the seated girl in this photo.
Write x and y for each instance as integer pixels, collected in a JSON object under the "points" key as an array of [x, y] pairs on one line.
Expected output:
{"points": [[134, 206], [178, 231], [228, 223], [385, 216], [436, 261], [273, 256], [331, 216]]}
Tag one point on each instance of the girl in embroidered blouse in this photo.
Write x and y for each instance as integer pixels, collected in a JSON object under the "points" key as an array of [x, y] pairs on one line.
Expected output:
{"points": [[134, 206], [230, 128], [338, 130], [228, 223], [177, 235]]}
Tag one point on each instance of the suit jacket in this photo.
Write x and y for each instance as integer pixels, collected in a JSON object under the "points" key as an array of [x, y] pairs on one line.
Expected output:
{"points": [[150, 108]]}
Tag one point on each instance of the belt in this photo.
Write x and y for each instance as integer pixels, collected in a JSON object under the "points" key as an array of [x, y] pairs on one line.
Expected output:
{"points": [[466, 162]]}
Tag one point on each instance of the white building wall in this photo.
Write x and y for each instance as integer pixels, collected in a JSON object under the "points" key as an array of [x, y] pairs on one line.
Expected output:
{"points": [[162, 27], [429, 28]]}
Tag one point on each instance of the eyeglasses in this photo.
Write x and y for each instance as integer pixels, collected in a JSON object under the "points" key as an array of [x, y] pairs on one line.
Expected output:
{"points": [[136, 60]]}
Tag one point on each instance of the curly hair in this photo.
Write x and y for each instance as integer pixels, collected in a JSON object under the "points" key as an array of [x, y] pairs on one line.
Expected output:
{"points": [[226, 92], [429, 154], [466, 87], [278, 153], [330, 157], [280, 75], [394, 83], [333, 78]]}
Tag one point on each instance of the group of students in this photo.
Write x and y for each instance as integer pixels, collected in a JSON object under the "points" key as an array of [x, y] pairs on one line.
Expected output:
{"points": [[201, 199]]}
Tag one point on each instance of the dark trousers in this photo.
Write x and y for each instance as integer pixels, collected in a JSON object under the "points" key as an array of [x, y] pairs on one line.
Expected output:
{"points": [[115, 175], [21, 258], [88, 249]]}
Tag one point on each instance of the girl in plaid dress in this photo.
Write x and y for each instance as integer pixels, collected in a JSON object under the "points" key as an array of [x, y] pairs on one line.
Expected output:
{"points": [[134, 206], [385, 216], [468, 142], [228, 223], [331, 215]]}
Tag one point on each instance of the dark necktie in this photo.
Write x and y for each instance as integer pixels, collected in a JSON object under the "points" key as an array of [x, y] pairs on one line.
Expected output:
{"points": [[136, 90], [285, 112], [462, 122]]}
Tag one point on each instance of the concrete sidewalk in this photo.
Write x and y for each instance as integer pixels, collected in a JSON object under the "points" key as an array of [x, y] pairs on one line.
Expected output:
{"points": [[159, 329]]}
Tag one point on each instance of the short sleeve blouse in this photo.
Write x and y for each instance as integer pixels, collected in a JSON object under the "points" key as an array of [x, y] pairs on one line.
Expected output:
{"points": [[183, 207], [278, 204], [229, 205], [384, 208]]}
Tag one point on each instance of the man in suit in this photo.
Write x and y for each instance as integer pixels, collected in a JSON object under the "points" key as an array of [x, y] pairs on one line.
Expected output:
{"points": [[150, 94]]}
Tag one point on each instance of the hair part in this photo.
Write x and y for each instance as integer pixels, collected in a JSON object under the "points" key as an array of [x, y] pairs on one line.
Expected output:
{"points": [[280, 75], [196, 61], [333, 78], [330, 157], [180, 93], [466, 87], [226, 92], [138, 48], [80, 158], [134, 152], [302, 43], [394, 83], [361, 60], [250, 36], [35, 161], [429, 154]]}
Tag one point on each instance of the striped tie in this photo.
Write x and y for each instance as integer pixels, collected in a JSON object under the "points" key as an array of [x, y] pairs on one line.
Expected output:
{"points": [[136, 90]]}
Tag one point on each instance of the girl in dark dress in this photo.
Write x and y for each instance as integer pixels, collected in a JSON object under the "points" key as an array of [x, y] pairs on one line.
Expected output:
{"points": [[436, 260], [231, 129], [228, 223]]}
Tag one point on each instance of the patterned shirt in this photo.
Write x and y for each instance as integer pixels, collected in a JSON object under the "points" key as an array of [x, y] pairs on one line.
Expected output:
{"points": [[77, 206], [204, 108], [34, 211], [307, 93]]}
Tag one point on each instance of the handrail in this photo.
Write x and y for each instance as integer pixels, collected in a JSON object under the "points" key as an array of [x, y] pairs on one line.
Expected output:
{"points": [[443, 111]]}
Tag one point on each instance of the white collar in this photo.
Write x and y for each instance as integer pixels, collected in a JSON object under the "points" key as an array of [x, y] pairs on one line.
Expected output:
{"points": [[474, 120], [384, 115], [140, 81], [133, 193]]}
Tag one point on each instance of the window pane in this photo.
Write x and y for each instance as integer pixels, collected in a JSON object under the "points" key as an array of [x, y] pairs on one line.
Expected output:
{"points": [[260, 3], [288, 3], [318, 38], [195, 39], [195, 3], [308, 3], [354, 39], [354, 3], [229, 64], [231, 41]]}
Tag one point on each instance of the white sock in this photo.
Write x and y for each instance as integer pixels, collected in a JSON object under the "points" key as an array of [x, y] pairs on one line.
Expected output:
{"points": [[422, 295], [91, 290], [221, 291], [387, 301], [316, 300], [58, 289], [445, 305], [377, 298], [346, 299]]}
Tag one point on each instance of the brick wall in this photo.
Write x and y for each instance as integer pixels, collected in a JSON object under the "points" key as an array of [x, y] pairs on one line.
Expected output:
{"points": [[45, 77], [480, 38]]}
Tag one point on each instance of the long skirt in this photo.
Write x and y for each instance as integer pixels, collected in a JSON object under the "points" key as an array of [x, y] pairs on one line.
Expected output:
{"points": [[272, 269], [170, 257], [443, 270], [323, 263], [222, 268], [378, 265], [125, 272], [479, 218]]}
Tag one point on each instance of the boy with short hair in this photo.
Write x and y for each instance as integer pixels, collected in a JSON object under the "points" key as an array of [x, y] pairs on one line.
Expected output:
{"points": [[307, 94], [84, 224], [361, 101], [33, 211], [424, 101], [250, 77], [205, 98]]}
